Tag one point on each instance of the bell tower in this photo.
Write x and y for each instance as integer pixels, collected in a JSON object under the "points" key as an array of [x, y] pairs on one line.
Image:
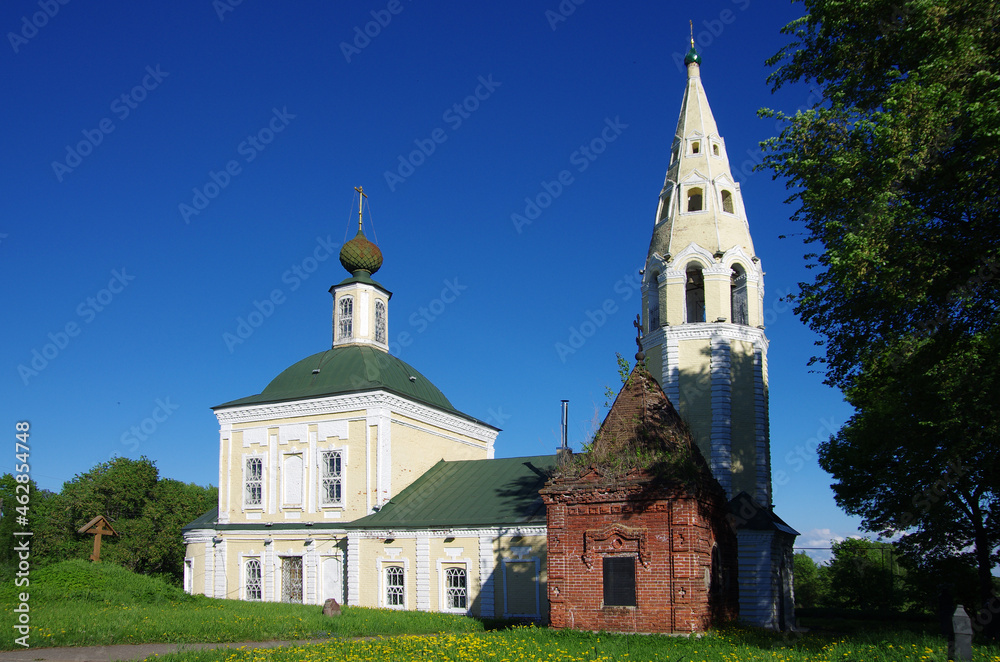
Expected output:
{"points": [[703, 336], [702, 297]]}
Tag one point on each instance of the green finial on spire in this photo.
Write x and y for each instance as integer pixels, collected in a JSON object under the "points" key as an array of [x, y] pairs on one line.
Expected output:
{"points": [[692, 55]]}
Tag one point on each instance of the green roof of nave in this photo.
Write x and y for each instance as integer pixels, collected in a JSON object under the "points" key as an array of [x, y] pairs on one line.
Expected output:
{"points": [[501, 491], [349, 369]]}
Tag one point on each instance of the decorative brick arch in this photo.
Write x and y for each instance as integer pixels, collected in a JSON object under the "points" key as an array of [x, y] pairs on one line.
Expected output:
{"points": [[615, 539]]}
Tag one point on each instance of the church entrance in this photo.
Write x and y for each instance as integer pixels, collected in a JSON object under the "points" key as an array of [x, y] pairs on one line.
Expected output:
{"points": [[291, 579]]}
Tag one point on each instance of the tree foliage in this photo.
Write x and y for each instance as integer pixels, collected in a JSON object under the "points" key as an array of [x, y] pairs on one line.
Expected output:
{"points": [[812, 581], [145, 510], [895, 174]]}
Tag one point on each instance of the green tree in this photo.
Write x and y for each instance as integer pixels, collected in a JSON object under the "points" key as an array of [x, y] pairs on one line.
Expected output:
{"points": [[27, 501], [811, 582], [896, 173], [866, 575], [146, 511]]}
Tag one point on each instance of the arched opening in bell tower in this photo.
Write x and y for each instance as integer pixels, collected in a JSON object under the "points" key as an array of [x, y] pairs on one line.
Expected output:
{"points": [[738, 295], [694, 294]]}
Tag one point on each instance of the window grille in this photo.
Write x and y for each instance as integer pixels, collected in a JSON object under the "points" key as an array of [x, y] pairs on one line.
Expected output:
{"points": [[345, 319], [394, 595], [291, 579], [331, 488], [456, 588], [254, 486], [619, 581], [253, 580], [379, 322]]}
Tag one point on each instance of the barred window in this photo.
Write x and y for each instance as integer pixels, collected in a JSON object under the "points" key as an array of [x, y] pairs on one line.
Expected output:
{"points": [[253, 491], [619, 581], [456, 588], [380, 321], [253, 582], [394, 594], [345, 318], [331, 478]]}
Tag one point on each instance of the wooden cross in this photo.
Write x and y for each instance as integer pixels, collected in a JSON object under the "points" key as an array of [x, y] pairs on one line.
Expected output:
{"points": [[99, 526], [361, 198]]}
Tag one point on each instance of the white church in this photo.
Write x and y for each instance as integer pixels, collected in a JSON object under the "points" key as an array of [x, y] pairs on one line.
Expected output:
{"points": [[351, 476]]}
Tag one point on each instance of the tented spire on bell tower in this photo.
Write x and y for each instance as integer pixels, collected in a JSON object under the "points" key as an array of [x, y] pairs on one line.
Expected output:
{"points": [[703, 301]]}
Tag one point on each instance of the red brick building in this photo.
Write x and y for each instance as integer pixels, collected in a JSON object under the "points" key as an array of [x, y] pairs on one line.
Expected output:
{"points": [[638, 534]]}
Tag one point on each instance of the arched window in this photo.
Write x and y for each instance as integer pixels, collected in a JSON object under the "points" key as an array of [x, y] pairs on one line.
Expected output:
{"points": [[395, 595], [695, 294], [695, 147], [694, 199], [715, 150], [456, 589], [253, 583], [345, 318], [738, 295], [380, 321], [727, 202], [653, 302]]}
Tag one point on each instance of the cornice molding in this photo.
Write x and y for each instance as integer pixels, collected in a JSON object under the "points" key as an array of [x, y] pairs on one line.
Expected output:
{"points": [[338, 404]]}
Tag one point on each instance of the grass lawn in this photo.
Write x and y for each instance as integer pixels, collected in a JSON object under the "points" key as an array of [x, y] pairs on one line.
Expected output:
{"points": [[543, 645], [77, 603]]}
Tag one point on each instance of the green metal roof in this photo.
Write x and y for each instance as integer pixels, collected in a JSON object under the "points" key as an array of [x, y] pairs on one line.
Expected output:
{"points": [[469, 493], [349, 369], [206, 521]]}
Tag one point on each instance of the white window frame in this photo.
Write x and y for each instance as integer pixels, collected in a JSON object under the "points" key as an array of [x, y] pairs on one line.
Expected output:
{"points": [[385, 584], [445, 588], [247, 458], [320, 476], [245, 570], [345, 318]]}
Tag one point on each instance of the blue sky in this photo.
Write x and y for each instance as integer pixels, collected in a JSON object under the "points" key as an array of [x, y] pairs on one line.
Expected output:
{"points": [[172, 167]]}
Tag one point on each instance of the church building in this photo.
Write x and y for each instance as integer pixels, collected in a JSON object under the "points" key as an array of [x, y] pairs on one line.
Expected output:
{"points": [[351, 476]]}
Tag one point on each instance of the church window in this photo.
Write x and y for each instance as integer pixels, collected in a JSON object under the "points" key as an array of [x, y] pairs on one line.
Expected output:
{"points": [[380, 321], [695, 147], [653, 294], [695, 294], [715, 149], [331, 487], [395, 595], [738, 295], [253, 489], [619, 581], [253, 580], [727, 202], [694, 199], [456, 589], [345, 318]]}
